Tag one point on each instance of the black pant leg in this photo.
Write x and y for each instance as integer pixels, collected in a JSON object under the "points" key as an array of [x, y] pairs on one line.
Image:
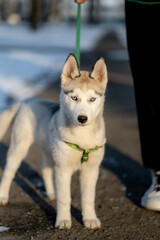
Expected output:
{"points": [[143, 25]]}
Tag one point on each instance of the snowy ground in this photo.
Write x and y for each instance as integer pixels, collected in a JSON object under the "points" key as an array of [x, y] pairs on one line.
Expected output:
{"points": [[30, 61]]}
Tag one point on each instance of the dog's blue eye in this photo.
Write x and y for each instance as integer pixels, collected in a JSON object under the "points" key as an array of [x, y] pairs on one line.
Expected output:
{"points": [[92, 99], [74, 98]]}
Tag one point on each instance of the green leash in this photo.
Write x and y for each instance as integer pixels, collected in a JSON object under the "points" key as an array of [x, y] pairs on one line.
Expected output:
{"points": [[84, 151], [143, 2], [78, 33]]}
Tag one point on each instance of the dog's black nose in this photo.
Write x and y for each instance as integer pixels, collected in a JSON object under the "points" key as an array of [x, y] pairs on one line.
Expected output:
{"points": [[82, 119]]}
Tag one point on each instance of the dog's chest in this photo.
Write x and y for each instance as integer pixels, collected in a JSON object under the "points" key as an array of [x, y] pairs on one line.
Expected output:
{"points": [[65, 156], [73, 159], [86, 138]]}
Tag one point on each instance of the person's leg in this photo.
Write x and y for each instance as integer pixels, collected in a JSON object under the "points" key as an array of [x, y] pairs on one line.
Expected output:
{"points": [[142, 22]]}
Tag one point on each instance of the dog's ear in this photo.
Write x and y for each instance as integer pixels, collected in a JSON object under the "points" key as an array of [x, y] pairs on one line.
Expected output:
{"points": [[99, 72], [70, 69]]}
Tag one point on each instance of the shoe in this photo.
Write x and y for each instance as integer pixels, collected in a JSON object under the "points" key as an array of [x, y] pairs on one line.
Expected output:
{"points": [[151, 198]]}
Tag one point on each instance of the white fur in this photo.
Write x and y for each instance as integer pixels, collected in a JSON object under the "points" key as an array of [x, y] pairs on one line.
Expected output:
{"points": [[34, 121]]}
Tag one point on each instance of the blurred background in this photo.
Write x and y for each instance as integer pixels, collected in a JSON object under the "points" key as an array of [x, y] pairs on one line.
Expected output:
{"points": [[41, 11], [36, 37]]}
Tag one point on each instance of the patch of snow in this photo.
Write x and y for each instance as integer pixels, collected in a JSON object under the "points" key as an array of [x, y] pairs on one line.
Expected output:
{"points": [[59, 35], [3, 229]]}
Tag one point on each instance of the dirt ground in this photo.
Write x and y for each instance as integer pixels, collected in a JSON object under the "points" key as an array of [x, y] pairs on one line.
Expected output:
{"points": [[122, 180]]}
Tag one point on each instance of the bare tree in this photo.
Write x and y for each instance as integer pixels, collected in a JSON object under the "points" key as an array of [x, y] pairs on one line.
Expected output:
{"points": [[94, 11], [35, 13]]}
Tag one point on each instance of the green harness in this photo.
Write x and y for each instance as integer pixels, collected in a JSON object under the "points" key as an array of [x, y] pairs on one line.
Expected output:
{"points": [[84, 151]]}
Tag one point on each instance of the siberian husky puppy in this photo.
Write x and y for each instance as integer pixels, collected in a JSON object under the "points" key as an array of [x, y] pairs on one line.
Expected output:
{"points": [[71, 137]]}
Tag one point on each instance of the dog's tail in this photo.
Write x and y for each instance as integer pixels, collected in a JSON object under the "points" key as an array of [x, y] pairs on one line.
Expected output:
{"points": [[6, 118]]}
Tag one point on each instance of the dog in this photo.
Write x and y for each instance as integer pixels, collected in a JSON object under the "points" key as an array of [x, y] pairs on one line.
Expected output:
{"points": [[71, 136]]}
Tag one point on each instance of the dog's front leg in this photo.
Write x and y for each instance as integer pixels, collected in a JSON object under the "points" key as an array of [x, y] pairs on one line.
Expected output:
{"points": [[88, 179], [63, 181]]}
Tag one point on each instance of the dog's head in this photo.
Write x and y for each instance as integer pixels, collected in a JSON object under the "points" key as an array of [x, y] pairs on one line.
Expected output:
{"points": [[82, 93]]}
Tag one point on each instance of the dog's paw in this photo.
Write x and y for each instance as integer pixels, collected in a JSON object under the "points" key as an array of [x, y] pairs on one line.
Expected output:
{"points": [[63, 224], [92, 223], [3, 201]]}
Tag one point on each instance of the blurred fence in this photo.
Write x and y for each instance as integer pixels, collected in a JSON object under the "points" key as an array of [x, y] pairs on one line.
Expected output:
{"points": [[39, 11]]}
